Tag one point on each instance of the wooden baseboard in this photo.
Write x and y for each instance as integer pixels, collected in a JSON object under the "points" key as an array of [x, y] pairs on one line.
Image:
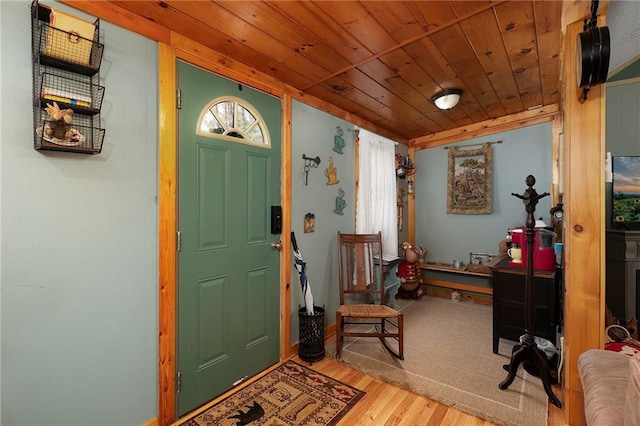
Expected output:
{"points": [[458, 286], [152, 422], [446, 294], [329, 334]]}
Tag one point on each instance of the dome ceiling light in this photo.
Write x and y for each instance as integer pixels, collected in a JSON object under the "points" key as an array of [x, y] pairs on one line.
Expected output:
{"points": [[447, 99]]}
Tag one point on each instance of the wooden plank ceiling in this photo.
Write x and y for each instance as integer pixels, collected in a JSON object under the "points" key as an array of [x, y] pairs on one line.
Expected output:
{"points": [[383, 60]]}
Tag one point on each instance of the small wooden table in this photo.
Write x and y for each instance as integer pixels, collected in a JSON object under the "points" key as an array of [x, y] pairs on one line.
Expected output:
{"points": [[391, 282]]}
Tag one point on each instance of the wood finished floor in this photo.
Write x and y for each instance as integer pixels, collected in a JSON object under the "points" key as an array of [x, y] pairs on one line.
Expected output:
{"points": [[386, 404]]}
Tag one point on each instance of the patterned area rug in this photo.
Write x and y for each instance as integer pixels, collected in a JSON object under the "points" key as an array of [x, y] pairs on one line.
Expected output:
{"points": [[290, 395]]}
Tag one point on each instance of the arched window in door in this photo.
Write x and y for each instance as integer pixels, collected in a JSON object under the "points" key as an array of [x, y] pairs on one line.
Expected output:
{"points": [[232, 118]]}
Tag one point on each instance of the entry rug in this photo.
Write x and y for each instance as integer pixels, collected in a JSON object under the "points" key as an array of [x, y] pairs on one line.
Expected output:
{"points": [[290, 395]]}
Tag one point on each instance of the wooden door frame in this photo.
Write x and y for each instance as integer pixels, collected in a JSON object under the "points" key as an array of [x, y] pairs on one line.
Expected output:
{"points": [[167, 209], [167, 223], [179, 47]]}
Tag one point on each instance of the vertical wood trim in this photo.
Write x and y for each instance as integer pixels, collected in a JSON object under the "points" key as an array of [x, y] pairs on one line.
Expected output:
{"points": [[166, 233], [556, 160], [285, 260], [357, 180], [411, 204], [584, 226]]}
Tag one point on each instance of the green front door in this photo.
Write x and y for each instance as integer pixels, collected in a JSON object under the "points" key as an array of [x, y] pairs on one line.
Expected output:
{"points": [[228, 274]]}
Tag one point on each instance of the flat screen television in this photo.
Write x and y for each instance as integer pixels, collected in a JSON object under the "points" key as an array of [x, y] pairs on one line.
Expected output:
{"points": [[626, 190]]}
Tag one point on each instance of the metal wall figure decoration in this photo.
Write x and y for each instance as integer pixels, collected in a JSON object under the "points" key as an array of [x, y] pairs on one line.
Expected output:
{"points": [[309, 223], [340, 203], [308, 164], [331, 173], [338, 141]]}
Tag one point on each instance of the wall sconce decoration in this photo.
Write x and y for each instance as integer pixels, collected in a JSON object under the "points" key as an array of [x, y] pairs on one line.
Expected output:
{"points": [[338, 141], [308, 164], [331, 173], [309, 223], [447, 99], [340, 203]]}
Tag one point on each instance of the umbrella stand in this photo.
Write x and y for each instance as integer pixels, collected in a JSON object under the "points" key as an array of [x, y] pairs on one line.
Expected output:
{"points": [[311, 318]]}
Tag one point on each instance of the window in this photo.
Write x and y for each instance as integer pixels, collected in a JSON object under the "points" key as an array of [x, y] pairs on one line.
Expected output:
{"points": [[376, 208], [233, 119]]}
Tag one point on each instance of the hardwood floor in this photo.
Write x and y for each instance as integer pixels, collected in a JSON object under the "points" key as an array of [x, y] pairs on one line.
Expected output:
{"points": [[386, 404]]}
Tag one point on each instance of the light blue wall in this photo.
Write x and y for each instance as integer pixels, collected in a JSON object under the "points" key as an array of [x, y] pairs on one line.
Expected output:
{"points": [[623, 126], [78, 263], [79, 246], [313, 134], [622, 19], [523, 152]]}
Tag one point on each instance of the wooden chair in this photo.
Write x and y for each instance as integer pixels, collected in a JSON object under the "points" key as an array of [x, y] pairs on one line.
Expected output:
{"points": [[362, 294]]}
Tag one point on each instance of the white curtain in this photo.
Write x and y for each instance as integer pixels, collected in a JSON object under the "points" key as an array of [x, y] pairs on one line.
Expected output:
{"points": [[376, 202]]}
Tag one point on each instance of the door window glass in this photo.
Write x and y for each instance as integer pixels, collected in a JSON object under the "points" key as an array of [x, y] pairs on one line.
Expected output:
{"points": [[233, 119]]}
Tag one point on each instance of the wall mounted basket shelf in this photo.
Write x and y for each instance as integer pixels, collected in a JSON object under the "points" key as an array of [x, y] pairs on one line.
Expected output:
{"points": [[66, 70]]}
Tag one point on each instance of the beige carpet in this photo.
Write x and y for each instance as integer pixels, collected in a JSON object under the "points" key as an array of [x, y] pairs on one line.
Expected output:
{"points": [[449, 358]]}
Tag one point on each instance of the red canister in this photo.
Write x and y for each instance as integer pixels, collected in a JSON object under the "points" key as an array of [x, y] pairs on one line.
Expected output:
{"points": [[543, 254]]}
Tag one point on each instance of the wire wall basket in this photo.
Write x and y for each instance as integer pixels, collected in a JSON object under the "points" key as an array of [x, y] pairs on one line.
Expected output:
{"points": [[67, 95]]}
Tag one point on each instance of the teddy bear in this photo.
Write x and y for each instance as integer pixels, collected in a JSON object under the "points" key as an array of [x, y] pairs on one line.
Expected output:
{"points": [[409, 272], [59, 126]]}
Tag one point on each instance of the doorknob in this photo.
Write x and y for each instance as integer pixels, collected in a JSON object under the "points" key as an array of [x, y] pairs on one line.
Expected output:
{"points": [[277, 245]]}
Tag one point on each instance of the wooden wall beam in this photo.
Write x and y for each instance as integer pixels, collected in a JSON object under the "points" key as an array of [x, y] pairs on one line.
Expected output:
{"points": [[488, 127], [584, 226], [557, 160], [204, 57], [167, 170], [285, 258], [123, 18]]}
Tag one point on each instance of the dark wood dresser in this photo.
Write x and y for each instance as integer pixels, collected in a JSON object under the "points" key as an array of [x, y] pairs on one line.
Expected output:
{"points": [[508, 302]]}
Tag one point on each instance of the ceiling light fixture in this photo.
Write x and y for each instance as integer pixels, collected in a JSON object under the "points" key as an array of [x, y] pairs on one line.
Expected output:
{"points": [[447, 99]]}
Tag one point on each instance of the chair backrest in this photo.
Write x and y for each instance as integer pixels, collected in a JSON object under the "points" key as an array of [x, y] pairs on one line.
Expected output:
{"points": [[360, 263]]}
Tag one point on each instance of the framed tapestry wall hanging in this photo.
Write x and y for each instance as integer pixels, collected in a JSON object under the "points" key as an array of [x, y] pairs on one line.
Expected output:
{"points": [[470, 180]]}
